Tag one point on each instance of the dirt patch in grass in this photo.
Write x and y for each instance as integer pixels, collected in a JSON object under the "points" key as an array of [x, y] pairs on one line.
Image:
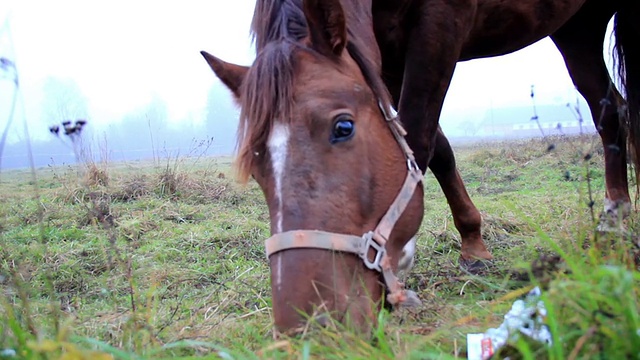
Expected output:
{"points": [[99, 210], [96, 176], [132, 188], [204, 191], [497, 231]]}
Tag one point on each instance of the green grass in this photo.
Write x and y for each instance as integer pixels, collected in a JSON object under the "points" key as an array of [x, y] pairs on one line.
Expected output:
{"points": [[166, 260]]}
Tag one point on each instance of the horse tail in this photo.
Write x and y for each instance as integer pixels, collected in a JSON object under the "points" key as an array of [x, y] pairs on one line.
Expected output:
{"points": [[627, 58]]}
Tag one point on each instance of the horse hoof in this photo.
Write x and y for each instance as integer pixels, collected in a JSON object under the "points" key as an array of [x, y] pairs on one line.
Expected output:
{"points": [[475, 266], [609, 227]]}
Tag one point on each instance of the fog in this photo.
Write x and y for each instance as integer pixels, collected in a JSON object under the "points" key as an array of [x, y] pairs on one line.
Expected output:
{"points": [[144, 133], [134, 73]]}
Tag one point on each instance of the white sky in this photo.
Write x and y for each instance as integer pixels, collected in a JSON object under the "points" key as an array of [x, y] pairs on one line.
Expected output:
{"points": [[121, 53]]}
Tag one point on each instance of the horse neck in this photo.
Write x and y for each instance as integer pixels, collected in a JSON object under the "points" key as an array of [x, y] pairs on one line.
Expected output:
{"points": [[360, 27]]}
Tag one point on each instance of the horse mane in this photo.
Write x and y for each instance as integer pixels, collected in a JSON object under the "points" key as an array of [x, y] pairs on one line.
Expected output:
{"points": [[267, 90], [277, 26], [277, 19]]}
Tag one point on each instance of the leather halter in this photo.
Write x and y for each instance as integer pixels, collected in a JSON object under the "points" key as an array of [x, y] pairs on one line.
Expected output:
{"points": [[373, 241]]}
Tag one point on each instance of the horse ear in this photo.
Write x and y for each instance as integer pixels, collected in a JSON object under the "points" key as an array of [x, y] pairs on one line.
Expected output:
{"points": [[327, 26], [231, 75]]}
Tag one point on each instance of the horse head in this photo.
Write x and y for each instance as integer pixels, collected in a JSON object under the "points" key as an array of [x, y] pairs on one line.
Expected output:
{"points": [[344, 195]]}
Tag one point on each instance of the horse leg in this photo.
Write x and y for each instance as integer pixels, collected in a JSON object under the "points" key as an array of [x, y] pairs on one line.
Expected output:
{"points": [[466, 216], [433, 50], [580, 43]]}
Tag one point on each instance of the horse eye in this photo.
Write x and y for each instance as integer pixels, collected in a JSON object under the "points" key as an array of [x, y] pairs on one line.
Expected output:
{"points": [[343, 129]]}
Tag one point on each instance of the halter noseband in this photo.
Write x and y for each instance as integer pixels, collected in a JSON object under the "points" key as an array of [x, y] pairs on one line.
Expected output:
{"points": [[375, 240]]}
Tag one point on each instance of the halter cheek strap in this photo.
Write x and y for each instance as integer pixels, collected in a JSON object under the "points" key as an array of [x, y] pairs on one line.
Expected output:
{"points": [[373, 241]]}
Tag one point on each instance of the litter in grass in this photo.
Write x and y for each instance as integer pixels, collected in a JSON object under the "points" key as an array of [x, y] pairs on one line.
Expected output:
{"points": [[526, 317], [7, 353]]}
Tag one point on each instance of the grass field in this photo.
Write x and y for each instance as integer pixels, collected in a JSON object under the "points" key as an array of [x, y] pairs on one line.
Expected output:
{"points": [[165, 260]]}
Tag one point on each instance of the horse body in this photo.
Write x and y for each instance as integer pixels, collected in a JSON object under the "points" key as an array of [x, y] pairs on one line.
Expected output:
{"points": [[501, 27], [312, 134]]}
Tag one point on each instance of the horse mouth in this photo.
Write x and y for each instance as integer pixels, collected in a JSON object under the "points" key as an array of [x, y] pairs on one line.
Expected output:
{"points": [[318, 321]]}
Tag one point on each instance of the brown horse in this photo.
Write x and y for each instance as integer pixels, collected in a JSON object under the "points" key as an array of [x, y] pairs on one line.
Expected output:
{"points": [[317, 135]]}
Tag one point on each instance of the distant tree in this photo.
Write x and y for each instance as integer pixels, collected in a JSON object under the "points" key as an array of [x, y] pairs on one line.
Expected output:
{"points": [[469, 128], [221, 119], [143, 131], [63, 100], [156, 111]]}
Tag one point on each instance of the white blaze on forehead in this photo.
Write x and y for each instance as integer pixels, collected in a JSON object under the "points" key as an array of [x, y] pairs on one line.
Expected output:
{"points": [[277, 145]]}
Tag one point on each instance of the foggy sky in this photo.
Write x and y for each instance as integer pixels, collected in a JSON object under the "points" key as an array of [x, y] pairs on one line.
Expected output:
{"points": [[123, 54]]}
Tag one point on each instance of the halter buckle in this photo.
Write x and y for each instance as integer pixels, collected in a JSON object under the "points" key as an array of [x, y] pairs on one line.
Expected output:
{"points": [[379, 252]]}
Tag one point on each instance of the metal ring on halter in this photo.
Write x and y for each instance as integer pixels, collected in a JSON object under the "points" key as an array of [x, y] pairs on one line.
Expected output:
{"points": [[379, 252]]}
